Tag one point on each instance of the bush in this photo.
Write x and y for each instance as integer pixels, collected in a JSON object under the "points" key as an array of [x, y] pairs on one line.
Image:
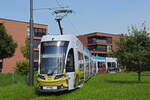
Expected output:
{"points": [[22, 67]]}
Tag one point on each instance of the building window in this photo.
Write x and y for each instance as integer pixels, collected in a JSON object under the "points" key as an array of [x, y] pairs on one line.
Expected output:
{"points": [[36, 55], [36, 43], [101, 48], [39, 32], [80, 56], [109, 39], [1, 66], [109, 48], [99, 39], [92, 48], [28, 31], [92, 39]]}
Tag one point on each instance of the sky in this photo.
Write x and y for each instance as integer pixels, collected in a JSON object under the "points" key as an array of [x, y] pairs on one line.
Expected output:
{"points": [[107, 16]]}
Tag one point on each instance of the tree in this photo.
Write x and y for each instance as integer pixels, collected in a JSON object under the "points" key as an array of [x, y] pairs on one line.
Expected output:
{"points": [[134, 50], [22, 67], [25, 49], [7, 45]]}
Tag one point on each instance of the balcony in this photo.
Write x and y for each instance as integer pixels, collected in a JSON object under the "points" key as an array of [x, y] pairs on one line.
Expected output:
{"points": [[100, 39], [100, 48]]}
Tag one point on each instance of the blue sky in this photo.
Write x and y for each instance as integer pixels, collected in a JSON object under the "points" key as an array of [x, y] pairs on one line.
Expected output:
{"points": [[108, 16]]}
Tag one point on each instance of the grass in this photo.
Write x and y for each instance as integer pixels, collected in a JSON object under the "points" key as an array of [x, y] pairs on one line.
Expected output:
{"points": [[14, 87], [118, 86], [11, 79]]}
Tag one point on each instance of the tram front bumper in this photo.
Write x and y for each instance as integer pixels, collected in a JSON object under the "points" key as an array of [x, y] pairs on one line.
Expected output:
{"points": [[52, 85], [52, 88]]}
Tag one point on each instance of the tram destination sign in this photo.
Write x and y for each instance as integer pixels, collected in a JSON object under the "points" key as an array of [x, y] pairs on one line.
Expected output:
{"points": [[55, 43]]}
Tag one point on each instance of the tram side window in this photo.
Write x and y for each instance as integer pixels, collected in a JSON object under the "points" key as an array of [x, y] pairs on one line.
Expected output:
{"points": [[80, 56], [111, 64], [86, 58], [101, 64], [70, 62], [87, 62]]}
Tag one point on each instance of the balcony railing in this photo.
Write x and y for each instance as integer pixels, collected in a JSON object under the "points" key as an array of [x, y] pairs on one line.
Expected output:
{"points": [[99, 39], [100, 48]]}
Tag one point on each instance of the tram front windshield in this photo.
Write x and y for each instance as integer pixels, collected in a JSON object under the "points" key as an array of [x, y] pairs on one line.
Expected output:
{"points": [[53, 57]]}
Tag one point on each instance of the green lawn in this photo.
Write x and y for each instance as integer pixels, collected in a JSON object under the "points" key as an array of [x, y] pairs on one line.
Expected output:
{"points": [[118, 86]]}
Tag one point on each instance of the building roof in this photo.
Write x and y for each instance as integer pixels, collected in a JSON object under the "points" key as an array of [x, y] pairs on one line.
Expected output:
{"points": [[100, 33], [20, 21]]}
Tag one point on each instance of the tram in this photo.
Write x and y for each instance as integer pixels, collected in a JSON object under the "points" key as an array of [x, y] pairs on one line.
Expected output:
{"points": [[106, 64], [64, 63], [112, 65], [100, 64]]}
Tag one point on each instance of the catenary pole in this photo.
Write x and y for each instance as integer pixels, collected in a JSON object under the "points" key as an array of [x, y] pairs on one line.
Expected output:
{"points": [[31, 46]]}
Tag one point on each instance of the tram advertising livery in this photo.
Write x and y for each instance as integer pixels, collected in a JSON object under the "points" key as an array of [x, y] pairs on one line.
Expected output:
{"points": [[64, 63]]}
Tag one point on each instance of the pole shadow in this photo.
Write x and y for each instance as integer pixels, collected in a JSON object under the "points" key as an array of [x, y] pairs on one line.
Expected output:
{"points": [[145, 75], [121, 82], [54, 93]]}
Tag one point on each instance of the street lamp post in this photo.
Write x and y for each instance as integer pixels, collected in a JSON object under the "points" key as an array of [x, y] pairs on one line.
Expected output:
{"points": [[31, 46], [31, 55]]}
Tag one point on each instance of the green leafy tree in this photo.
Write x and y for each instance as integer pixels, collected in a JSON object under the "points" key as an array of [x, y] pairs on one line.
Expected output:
{"points": [[7, 45], [134, 50], [25, 49]]}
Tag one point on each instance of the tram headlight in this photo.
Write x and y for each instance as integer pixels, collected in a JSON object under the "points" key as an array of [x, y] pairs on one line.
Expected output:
{"points": [[41, 77], [67, 82], [60, 76]]}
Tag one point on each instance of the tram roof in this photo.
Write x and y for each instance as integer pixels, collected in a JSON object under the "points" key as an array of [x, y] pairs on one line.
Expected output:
{"points": [[100, 58], [59, 37]]}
